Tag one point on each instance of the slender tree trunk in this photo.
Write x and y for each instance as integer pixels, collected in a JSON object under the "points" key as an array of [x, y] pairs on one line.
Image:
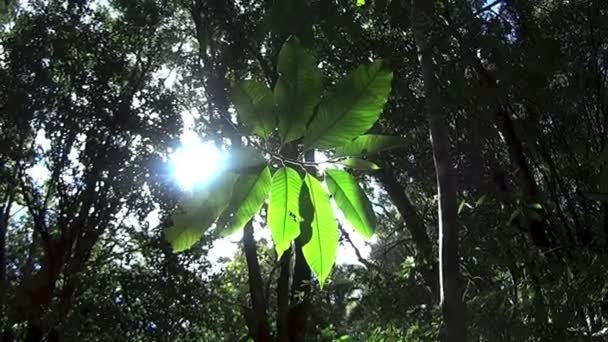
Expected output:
{"points": [[283, 297], [300, 297], [452, 306], [415, 225], [261, 328]]}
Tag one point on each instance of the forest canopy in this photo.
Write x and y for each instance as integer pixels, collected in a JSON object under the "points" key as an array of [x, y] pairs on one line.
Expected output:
{"points": [[303, 170]]}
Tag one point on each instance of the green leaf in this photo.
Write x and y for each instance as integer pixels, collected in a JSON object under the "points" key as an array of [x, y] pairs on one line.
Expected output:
{"points": [[244, 159], [247, 199], [537, 206], [360, 164], [197, 211], [369, 144], [255, 104], [353, 202], [360, 3], [298, 89], [320, 251], [351, 107], [481, 200], [461, 206], [284, 208]]}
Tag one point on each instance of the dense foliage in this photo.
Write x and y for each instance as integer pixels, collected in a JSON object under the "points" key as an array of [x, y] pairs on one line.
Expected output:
{"points": [[336, 118]]}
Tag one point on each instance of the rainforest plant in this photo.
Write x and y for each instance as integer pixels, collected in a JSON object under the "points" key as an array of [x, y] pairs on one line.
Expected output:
{"points": [[268, 168]]}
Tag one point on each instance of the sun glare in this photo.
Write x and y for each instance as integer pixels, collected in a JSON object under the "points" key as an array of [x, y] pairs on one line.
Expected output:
{"points": [[195, 163]]}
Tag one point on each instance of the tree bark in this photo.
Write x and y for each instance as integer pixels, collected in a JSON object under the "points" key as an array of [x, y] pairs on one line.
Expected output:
{"points": [[283, 297], [261, 328], [415, 225], [452, 305]]}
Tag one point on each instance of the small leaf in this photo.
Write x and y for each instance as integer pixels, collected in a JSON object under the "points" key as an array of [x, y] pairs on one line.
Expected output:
{"points": [[351, 108], [369, 144], [481, 200], [535, 206], [255, 104], [360, 3], [249, 195], [197, 211], [320, 251], [513, 216], [534, 215], [353, 202], [461, 206], [284, 208], [360, 164], [298, 89]]}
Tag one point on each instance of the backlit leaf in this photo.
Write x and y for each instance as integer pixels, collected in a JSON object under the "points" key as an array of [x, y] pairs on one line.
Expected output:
{"points": [[250, 192], [298, 89], [284, 208], [360, 164], [254, 102], [351, 108], [369, 144], [320, 251], [197, 212], [244, 159], [353, 202]]}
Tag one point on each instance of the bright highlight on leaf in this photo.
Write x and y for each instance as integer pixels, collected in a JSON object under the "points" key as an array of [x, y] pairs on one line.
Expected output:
{"points": [[353, 202], [351, 108], [320, 250], [255, 104], [360, 3], [360, 164], [250, 192], [197, 212], [369, 144], [284, 208], [298, 89]]}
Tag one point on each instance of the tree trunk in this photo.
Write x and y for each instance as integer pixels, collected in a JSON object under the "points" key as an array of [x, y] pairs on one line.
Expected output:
{"points": [[283, 297], [452, 306], [261, 329], [415, 225]]}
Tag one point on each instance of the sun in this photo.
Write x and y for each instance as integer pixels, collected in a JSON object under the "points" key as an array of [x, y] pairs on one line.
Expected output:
{"points": [[195, 163]]}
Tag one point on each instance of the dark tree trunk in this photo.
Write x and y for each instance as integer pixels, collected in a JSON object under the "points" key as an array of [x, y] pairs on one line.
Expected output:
{"points": [[452, 306], [300, 301], [261, 328], [415, 225], [283, 297]]}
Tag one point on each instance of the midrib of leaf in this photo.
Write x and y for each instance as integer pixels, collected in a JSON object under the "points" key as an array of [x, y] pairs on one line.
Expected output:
{"points": [[348, 200], [353, 104], [286, 204], [316, 221]]}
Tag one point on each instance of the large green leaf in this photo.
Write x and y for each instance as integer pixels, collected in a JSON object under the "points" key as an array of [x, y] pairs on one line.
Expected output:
{"points": [[298, 89], [255, 104], [360, 164], [369, 144], [249, 194], [320, 251], [351, 107], [244, 159], [198, 210], [284, 208], [353, 202]]}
